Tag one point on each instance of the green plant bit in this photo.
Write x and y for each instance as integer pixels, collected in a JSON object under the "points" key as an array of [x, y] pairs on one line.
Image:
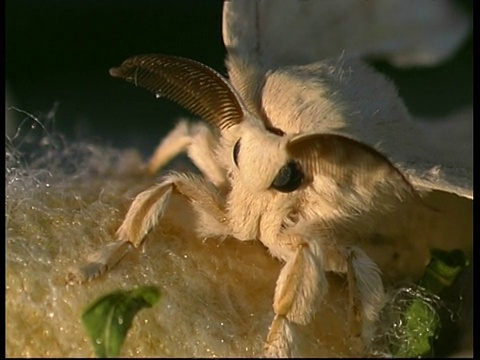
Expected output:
{"points": [[109, 318]]}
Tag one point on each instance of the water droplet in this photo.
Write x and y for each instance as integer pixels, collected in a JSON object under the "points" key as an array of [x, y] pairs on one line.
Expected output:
{"points": [[120, 320], [98, 341]]}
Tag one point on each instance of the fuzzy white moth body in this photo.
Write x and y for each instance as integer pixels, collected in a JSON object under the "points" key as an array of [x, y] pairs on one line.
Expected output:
{"points": [[317, 199]]}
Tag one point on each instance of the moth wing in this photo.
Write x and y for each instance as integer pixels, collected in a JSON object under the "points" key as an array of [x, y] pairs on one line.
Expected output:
{"points": [[299, 32], [447, 166]]}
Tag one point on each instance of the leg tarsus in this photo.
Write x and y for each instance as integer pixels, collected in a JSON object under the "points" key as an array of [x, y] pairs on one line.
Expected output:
{"points": [[279, 339], [99, 262]]}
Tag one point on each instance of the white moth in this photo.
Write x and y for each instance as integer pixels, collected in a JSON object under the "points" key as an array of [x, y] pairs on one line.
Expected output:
{"points": [[317, 159], [319, 201]]}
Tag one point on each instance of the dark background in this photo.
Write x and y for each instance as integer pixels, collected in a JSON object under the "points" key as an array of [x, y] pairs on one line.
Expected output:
{"points": [[59, 52]]}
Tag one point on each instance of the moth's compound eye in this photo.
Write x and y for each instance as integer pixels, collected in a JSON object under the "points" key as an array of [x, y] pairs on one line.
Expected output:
{"points": [[236, 151], [275, 130], [289, 178]]}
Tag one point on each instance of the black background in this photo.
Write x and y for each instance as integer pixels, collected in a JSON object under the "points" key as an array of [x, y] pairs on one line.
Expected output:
{"points": [[59, 51]]}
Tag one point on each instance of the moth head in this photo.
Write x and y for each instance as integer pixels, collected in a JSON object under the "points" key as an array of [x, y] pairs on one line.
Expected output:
{"points": [[260, 161], [253, 153]]}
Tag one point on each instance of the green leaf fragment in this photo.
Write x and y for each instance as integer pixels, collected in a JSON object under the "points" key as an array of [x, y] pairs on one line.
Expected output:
{"points": [[109, 318], [421, 325], [421, 321], [443, 269]]}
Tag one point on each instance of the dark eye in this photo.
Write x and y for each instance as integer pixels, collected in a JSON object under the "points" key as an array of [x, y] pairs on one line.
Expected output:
{"points": [[275, 130], [289, 178], [236, 151]]}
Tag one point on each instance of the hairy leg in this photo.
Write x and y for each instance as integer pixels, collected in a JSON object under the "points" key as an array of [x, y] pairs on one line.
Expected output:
{"points": [[301, 286], [366, 293], [198, 140], [146, 212]]}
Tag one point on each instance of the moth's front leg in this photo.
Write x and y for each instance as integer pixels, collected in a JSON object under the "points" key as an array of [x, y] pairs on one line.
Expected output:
{"points": [[146, 211], [301, 286]]}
